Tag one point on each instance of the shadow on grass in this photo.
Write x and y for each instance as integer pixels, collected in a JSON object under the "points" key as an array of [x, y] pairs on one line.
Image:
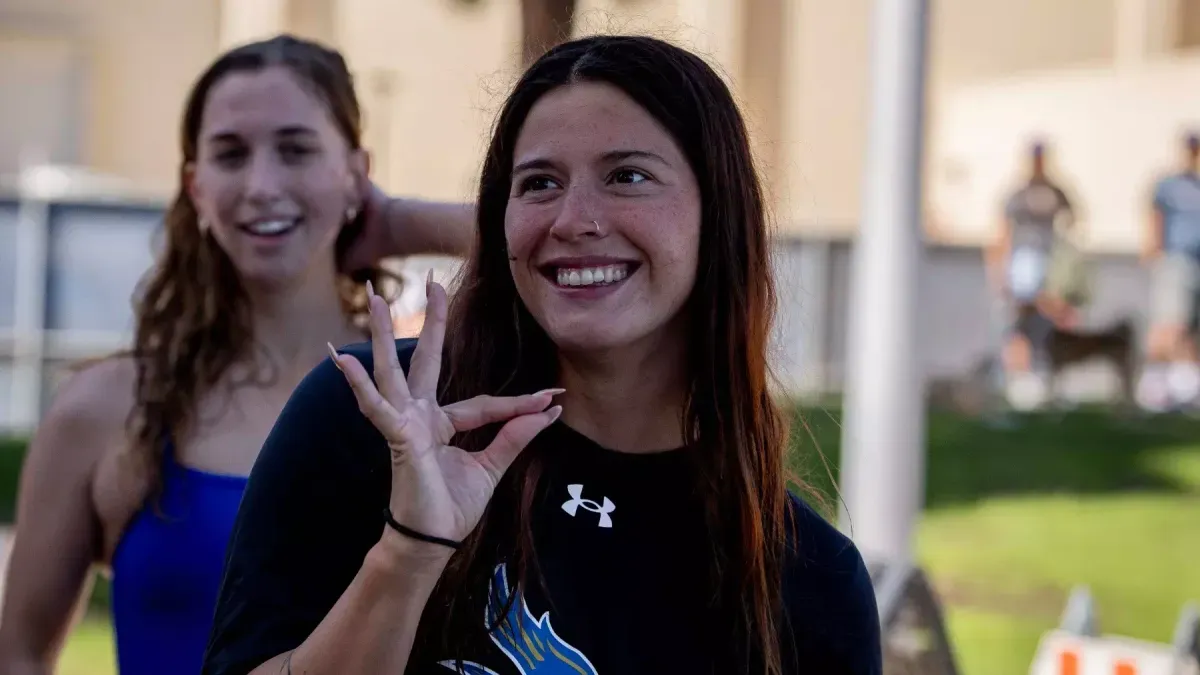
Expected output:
{"points": [[1082, 452]]}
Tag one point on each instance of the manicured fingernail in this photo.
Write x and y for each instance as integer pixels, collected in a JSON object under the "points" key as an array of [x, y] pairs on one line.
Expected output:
{"points": [[370, 289], [554, 412], [333, 355], [429, 283], [552, 392]]}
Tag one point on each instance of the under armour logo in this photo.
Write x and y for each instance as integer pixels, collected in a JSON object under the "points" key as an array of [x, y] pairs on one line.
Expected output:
{"points": [[577, 500]]}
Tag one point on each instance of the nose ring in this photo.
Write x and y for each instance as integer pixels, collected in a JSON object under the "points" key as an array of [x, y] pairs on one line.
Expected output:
{"points": [[597, 224]]}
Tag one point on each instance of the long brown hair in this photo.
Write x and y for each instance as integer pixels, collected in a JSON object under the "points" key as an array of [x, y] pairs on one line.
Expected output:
{"points": [[738, 433], [193, 316]]}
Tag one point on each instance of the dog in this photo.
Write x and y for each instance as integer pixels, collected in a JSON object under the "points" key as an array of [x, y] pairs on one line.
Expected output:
{"points": [[1115, 344]]}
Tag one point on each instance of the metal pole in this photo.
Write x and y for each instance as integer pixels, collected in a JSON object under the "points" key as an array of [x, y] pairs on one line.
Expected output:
{"points": [[29, 326], [883, 430]]}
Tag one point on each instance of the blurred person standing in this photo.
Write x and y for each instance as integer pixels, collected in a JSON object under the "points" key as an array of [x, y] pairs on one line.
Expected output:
{"points": [[1036, 271], [141, 462], [1171, 377]]}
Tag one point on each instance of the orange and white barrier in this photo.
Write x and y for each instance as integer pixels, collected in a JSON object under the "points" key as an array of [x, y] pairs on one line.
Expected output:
{"points": [[1065, 653]]}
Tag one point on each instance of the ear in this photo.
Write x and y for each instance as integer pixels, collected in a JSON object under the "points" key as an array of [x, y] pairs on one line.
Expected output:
{"points": [[190, 186], [358, 180]]}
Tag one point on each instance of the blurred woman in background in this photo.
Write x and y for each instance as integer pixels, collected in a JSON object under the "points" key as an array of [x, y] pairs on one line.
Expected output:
{"points": [[141, 461]]}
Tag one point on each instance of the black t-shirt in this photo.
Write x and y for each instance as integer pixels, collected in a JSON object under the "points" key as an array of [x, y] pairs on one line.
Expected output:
{"points": [[620, 541]]}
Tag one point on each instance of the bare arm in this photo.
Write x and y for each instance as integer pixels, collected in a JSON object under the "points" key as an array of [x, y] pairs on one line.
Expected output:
{"points": [[58, 531], [1152, 243], [418, 227], [996, 254], [372, 627]]}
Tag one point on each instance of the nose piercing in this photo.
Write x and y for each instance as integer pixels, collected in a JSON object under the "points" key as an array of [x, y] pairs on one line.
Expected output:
{"points": [[597, 224]]}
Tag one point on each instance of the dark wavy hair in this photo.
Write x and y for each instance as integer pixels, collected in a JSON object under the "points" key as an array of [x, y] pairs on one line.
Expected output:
{"points": [[738, 433], [193, 318]]}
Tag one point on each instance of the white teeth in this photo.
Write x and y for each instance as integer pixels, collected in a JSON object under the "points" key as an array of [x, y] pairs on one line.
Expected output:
{"points": [[592, 276], [271, 226]]}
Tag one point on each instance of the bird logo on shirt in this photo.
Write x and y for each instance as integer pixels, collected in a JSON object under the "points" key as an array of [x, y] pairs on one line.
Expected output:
{"points": [[529, 643]]}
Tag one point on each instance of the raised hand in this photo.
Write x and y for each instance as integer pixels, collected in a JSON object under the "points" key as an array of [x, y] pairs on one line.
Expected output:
{"points": [[437, 489]]}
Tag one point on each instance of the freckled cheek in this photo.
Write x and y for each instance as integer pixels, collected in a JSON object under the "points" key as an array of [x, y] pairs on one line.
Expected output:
{"points": [[521, 237]]}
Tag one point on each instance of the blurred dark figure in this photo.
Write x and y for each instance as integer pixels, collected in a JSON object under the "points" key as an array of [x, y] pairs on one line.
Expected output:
{"points": [[1038, 273], [544, 24], [1171, 378]]}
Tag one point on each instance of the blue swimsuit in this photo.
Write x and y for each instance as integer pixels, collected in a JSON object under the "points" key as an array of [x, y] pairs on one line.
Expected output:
{"points": [[167, 569]]}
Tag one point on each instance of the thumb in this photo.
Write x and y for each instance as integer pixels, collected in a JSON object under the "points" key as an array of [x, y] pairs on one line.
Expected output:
{"points": [[513, 438]]}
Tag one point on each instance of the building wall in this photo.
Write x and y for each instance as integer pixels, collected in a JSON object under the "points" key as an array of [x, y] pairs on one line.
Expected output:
{"points": [[1112, 133], [432, 74], [131, 63]]}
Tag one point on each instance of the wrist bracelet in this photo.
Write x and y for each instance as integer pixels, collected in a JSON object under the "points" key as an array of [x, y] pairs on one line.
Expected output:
{"points": [[413, 534]]}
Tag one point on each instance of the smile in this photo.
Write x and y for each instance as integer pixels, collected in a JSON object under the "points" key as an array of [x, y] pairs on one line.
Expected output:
{"points": [[276, 227], [591, 276]]}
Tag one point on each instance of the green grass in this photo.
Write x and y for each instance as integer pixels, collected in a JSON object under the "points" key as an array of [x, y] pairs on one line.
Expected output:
{"points": [[90, 649], [1014, 519]]}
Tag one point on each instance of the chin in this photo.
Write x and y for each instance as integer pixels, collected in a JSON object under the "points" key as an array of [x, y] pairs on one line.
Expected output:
{"points": [[272, 278], [592, 338]]}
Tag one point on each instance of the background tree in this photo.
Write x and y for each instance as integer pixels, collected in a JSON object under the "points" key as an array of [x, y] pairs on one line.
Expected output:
{"points": [[544, 24]]}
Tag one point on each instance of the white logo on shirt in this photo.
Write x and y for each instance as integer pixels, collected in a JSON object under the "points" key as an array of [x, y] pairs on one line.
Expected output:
{"points": [[572, 506]]}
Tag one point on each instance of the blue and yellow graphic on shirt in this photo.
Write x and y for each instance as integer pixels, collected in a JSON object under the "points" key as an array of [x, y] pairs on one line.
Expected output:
{"points": [[530, 644]]}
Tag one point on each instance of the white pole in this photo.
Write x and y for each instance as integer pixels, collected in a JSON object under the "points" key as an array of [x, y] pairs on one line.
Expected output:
{"points": [[883, 430]]}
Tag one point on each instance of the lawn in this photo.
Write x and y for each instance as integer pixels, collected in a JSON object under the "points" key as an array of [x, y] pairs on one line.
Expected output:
{"points": [[1014, 520]]}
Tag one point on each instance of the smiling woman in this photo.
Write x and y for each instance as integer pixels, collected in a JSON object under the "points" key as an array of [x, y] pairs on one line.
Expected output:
{"points": [[641, 525], [141, 462]]}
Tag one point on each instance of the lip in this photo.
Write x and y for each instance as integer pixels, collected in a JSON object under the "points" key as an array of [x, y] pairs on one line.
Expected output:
{"points": [[579, 262], [246, 227]]}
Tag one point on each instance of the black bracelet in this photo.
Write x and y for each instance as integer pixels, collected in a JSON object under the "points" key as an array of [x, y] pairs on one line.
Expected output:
{"points": [[409, 532]]}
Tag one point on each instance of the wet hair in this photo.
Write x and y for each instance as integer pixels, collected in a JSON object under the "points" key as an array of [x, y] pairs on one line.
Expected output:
{"points": [[193, 316], [737, 435]]}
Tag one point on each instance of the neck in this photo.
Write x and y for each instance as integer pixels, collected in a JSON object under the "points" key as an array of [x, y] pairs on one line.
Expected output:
{"points": [[629, 400], [291, 324]]}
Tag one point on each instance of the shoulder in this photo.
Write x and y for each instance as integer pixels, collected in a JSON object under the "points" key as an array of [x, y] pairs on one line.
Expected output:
{"points": [[84, 428], [322, 419], [93, 405], [819, 548], [362, 352], [1016, 197], [829, 597], [326, 382], [1166, 183]]}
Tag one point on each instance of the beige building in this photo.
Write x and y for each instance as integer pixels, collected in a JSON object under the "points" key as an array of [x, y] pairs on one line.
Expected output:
{"points": [[1110, 83]]}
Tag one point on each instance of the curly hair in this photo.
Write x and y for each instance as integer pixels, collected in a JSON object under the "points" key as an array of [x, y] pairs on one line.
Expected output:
{"points": [[192, 313]]}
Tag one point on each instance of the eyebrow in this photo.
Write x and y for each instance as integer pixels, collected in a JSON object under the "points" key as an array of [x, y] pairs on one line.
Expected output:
{"points": [[611, 156], [285, 132]]}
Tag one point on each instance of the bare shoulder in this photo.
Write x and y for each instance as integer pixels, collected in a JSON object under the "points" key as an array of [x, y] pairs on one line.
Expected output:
{"points": [[89, 412]]}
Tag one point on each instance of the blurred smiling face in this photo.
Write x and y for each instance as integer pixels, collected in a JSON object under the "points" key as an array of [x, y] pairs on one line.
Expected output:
{"points": [[274, 178], [603, 220]]}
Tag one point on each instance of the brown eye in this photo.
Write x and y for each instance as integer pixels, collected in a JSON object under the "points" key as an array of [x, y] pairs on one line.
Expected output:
{"points": [[629, 176], [537, 184]]}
